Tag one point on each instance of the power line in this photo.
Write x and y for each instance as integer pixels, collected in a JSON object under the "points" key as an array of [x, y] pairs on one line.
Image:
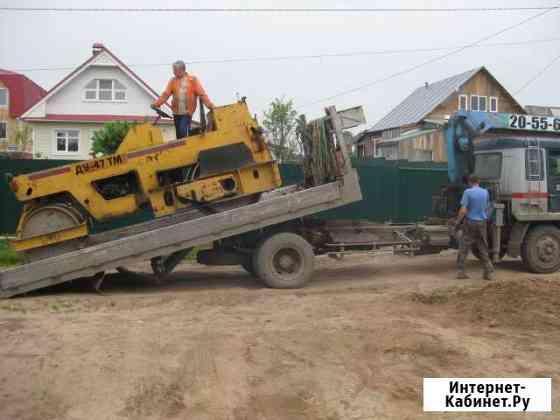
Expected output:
{"points": [[314, 56], [274, 10], [427, 62], [536, 76]]}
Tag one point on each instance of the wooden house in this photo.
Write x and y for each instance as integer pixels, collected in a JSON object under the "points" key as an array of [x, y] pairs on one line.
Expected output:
{"points": [[413, 129]]}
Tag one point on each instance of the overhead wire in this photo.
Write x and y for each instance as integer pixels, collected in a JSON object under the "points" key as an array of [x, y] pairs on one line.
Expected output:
{"points": [[427, 62], [537, 75], [275, 10], [310, 56], [544, 10]]}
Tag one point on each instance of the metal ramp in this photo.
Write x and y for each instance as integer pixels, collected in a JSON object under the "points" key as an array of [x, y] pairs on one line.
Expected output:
{"points": [[276, 207]]}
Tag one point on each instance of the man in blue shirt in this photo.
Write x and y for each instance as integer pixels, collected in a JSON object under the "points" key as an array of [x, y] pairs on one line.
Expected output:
{"points": [[474, 217]]}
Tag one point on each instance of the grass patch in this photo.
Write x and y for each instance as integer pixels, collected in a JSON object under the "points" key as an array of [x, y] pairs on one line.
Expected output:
{"points": [[13, 307], [7, 255], [191, 256], [61, 306]]}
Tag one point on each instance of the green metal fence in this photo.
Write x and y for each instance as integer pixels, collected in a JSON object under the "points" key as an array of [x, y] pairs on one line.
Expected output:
{"points": [[10, 208], [393, 191], [396, 191]]}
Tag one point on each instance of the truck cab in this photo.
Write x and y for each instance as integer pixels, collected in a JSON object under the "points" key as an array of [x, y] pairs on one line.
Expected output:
{"points": [[526, 172], [517, 158]]}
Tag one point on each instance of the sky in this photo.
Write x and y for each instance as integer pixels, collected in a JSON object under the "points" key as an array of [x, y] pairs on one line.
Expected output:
{"points": [[150, 42]]}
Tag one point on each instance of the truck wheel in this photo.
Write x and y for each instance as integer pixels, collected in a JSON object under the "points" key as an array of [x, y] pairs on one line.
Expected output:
{"points": [[284, 261], [540, 251]]}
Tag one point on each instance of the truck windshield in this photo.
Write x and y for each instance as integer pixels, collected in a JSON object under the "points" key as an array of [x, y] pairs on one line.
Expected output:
{"points": [[488, 165]]}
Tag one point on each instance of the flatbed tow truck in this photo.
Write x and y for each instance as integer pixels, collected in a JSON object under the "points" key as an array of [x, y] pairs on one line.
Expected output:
{"points": [[276, 238]]}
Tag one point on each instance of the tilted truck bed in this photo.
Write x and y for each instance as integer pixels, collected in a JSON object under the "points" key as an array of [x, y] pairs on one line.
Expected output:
{"points": [[275, 207]]}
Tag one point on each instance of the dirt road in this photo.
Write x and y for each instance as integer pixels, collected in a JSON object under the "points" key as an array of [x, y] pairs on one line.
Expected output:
{"points": [[214, 344]]}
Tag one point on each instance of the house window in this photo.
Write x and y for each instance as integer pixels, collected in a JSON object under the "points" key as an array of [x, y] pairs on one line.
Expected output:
{"points": [[392, 133], [361, 152], [474, 102], [463, 103], [67, 141], [105, 90], [482, 104], [3, 130], [3, 97], [493, 104]]}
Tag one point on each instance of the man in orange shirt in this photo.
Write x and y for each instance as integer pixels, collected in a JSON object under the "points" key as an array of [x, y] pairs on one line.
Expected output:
{"points": [[186, 89]]}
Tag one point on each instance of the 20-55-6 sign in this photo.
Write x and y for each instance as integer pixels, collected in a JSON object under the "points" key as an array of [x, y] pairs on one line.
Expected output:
{"points": [[534, 122]]}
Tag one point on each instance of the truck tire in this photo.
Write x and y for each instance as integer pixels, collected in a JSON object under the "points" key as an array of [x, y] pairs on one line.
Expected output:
{"points": [[284, 261], [540, 250]]}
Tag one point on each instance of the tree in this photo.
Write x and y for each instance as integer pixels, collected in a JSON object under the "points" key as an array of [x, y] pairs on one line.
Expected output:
{"points": [[280, 123], [107, 140], [22, 137]]}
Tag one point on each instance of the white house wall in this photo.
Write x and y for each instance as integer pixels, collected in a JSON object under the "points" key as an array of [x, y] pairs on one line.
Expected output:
{"points": [[38, 111], [44, 139], [70, 98]]}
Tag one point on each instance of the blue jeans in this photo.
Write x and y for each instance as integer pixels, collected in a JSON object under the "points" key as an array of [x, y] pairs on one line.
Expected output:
{"points": [[182, 125]]}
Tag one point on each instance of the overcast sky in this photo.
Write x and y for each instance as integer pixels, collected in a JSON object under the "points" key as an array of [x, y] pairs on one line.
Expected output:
{"points": [[57, 39]]}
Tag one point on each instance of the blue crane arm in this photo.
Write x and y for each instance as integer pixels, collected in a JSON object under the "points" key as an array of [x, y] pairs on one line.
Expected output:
{"points": [[463, 127]]}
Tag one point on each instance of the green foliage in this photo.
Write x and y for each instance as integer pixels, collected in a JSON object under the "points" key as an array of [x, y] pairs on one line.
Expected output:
{"points": [[13, 307], [302, 131], [191, 256], [22, 136], [7, 255], [107, 140], [280, 123]]}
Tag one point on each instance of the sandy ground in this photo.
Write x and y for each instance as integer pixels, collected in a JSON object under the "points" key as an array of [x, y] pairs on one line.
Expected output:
{"points": [[214, 344]]}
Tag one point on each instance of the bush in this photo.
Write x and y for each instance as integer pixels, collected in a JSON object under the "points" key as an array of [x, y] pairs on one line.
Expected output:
{"points": [[107, 140], [7, 255]]}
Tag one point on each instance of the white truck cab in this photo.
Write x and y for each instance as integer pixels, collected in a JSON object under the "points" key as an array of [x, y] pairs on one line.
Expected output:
{"points": [[517, 158]]}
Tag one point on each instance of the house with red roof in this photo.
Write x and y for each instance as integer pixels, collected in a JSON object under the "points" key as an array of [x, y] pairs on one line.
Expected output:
{"points": [[17, 95], [100, 90]]}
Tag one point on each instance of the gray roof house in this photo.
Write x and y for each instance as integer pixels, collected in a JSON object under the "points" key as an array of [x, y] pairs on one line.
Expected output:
{"points": [[549, 111], [416, 122]]}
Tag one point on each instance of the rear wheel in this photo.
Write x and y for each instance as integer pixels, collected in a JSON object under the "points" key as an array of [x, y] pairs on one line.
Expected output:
{"points": [[48, 219], [541, 249], [284, 261]]}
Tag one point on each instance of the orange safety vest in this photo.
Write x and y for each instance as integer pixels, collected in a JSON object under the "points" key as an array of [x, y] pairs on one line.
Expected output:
{"points": [[184, 97]]}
